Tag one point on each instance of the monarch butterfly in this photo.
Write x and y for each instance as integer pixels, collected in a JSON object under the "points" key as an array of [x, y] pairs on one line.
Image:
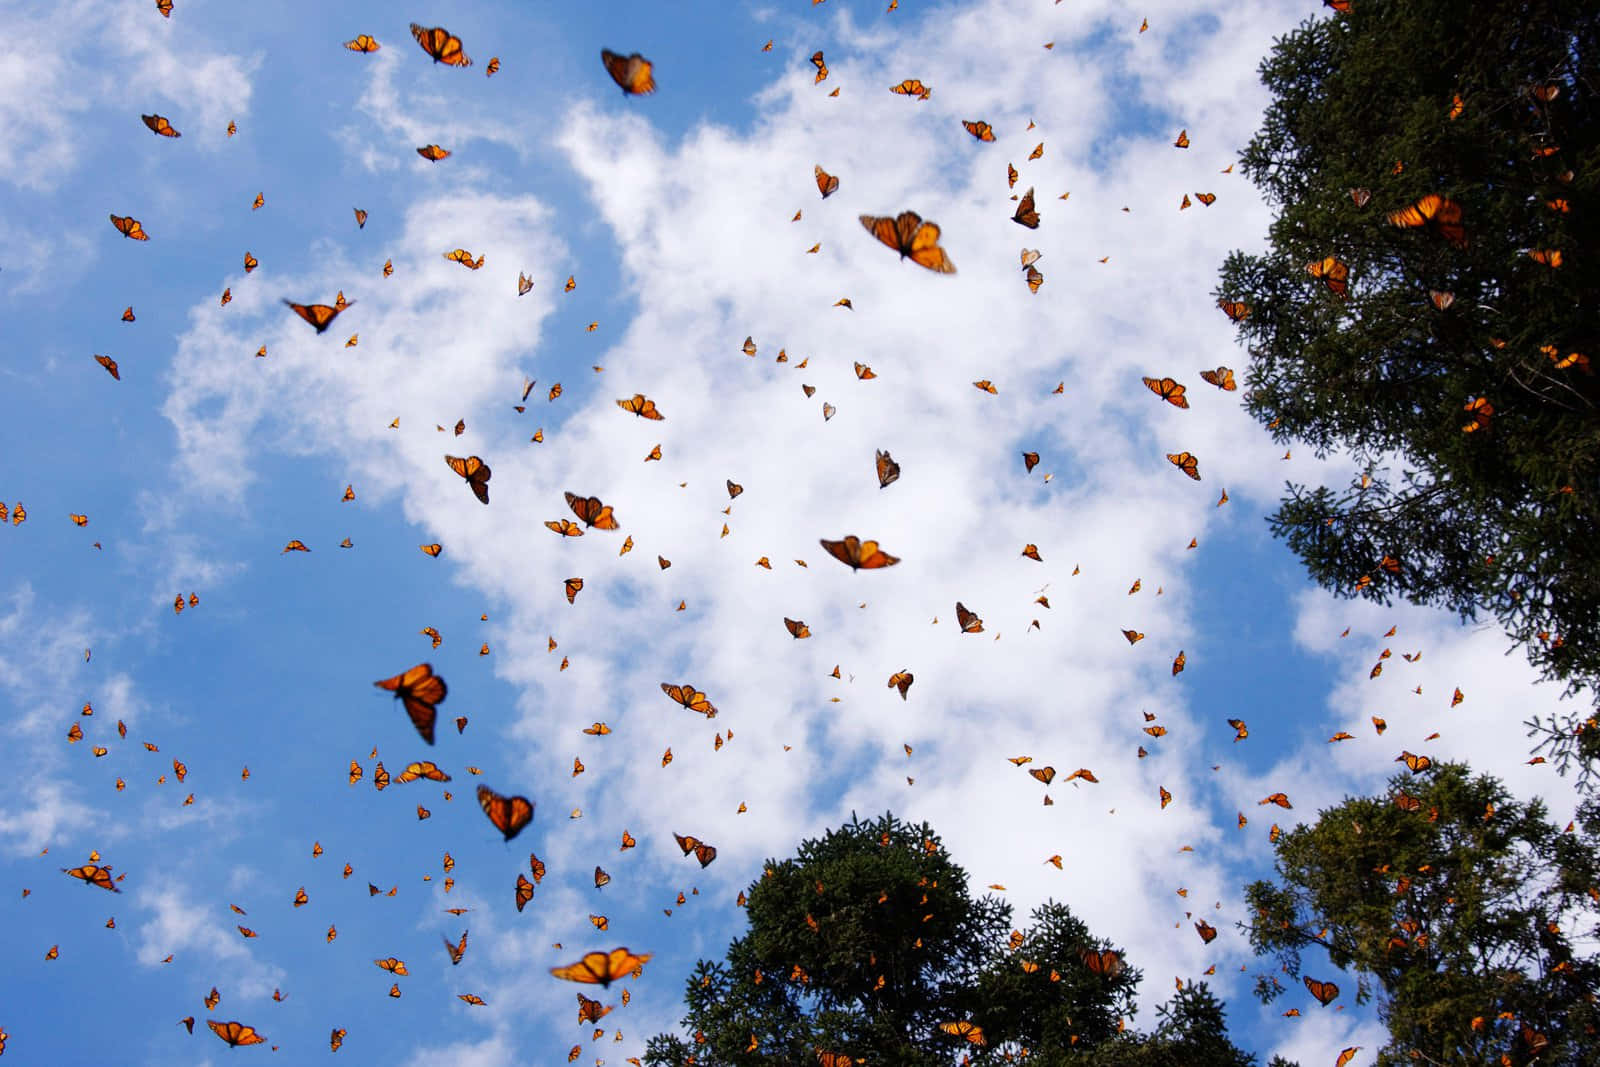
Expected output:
{"points": [[1178, 663], [524, 287], [1167, 389], [968, 1030], [1026, 215], [601, 878], [364, 43], [1105, 962], [631, 73], [432, 550], [433, 152], [1044, 774], [703, 852], [970, 623], [463, 257], [1206, 198], [602, 968], [888, 469], [829, 1058], [1222, 378], [318, 315], [1325, 992], [236, 1033], [564, 527], [1038, 151], [1440, 212], [827, 185], [1207, 932], [165, 7], [1334, 274], [295, 546], [1185, 462], [1236, 310], [901, 680], [508, 814], [1414, 763], [858, 554], [797, 629], [1133, 636], [456, 950], [907, 234], [127, 314], [821, 65], [473, 998], [912, 87], [439, 44], [593, 513], [1481, 411], [981, 130], [1183, 139], [421, 690], [111, 368], [524, 892], [1011, 176], [690, 698], [159, 125], [423, 769], [642, 406], [256, 204], [1280, 799], [336, 1038], [129, 227], [475, 471], [91, 874], [493, 68], [1034, 279], [1550, 257]]}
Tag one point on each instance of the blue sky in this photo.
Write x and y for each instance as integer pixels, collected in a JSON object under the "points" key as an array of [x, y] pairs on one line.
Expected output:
{"points": [[673, 213]]}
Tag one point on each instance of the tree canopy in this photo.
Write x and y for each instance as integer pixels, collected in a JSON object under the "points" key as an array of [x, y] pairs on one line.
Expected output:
{"points": [[868, 947], [1461, 910], [1430, 304]]}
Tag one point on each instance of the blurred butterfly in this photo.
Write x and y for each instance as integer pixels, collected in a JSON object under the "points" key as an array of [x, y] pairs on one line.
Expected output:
{"points": [[797, 629], [901, 680], [888, 469], [1025, 214], [236, 1033], [1440, 213], [318, 315], [111, 368], [463, 257], [631, 73], [420, 690], [602, 968], [1011, 176], [601, 878], [493, 68], [1222, 378], [821, 65], [165, 7], [981, 130], [1207, 932], [1325, 992], [1414, 763], [508, 814], [1038, 151], [907, 234], [439, 44], [1333, 273], [475, 471], [364, 43], [423, 769], [1034, 279], [858, 554], [456, 950], [524, 892], [256, 204], [1167, 389], [160, 126], [1236, 310], [1549, 257], [912, 87], [1183, 139], [1185, 462], [827, 185], [968, 1030], [432, 550], [129, 227], [970, 623], [524, 287], [1481, 412], [433, 152]]}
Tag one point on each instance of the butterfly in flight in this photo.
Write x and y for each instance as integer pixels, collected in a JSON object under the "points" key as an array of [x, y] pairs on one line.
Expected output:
{"points": [[508, 814], [475, 471], [858, 554], [439, 44], [421, 690], [909, 235], [631, 73], [318, 315], [602, 968]]}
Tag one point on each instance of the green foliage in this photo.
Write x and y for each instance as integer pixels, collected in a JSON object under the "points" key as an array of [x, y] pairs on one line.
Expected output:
{"points": [[869, 939], [1452, 903], [1504, 520]]}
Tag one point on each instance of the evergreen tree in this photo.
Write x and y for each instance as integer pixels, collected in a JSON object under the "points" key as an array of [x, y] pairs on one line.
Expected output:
{"points": [[1466, 914], [1449, 348]]}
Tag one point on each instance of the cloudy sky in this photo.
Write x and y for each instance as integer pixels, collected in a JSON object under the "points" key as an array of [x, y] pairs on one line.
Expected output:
{"points": [[687, 221]]}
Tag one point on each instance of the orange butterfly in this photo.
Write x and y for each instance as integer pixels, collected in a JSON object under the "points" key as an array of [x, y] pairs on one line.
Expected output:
{"points": [[690, 698], [912, 87], [159, 125], [641, 406], [90, 874], [1207, 932], [859, 554], [1026, 215], [524, 892], [602, 968], [422, 769], [593, 513], [1104, 962], [129, 227], [236, 1033], [981, 130], [111, 368], [907, 234], [1481, 412], [439, 44], [1439, 212], [703, 852], [970, 623], [1236, 310], [421, 690], [797, 629], [888, 469], [475, 471], [318, 315], [631, 73], [827, 184], [968, 1030], [456, 950], [1335, 274], [1222, 378], [1167, 389], [1185, 462], [1034, 279], [433, 152], [509, 814], [1183, 139], [822, 67], [364, 43], [1325, 992]]}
